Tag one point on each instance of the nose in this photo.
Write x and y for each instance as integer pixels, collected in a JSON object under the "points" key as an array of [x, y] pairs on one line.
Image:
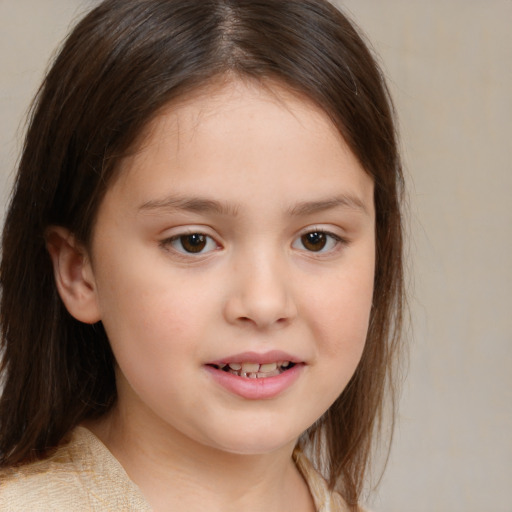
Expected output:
{"points": [[260, 294]]}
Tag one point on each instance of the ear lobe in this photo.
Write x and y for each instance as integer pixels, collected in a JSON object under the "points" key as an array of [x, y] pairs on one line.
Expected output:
{"points": [[73, 274]]}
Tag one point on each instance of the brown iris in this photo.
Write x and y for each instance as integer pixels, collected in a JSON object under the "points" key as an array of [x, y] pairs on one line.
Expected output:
{"points": [[314, 241], [194, 243]]}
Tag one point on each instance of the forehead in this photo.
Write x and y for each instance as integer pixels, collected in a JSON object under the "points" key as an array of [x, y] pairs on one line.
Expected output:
{"points": [[243, 132], [227, 94]]}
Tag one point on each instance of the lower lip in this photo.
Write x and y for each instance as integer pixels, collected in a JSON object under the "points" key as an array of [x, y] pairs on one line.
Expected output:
{"points": [[256, 389]]}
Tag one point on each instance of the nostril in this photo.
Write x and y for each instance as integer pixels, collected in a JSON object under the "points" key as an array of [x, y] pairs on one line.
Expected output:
{"points": [[263, 309], [247, 320]]}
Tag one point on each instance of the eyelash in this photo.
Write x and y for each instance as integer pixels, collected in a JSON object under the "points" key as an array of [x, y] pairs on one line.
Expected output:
{"points": [[335, 240], [332, 240], [202, 237]]}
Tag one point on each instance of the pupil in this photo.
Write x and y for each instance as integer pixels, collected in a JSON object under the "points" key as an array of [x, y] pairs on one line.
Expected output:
{"points": [[193, 243], [314, 241]]}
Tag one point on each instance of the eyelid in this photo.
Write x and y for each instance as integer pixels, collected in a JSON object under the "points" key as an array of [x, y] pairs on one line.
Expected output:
{"points": [[177, 233], [340, 240]]}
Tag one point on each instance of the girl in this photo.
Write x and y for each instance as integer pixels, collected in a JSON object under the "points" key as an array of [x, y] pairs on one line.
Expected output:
{"points": [[201, 274]]}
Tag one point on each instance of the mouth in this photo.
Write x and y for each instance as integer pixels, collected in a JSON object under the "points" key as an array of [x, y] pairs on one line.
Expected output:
{"points": [[257, 376], [251, 370]]}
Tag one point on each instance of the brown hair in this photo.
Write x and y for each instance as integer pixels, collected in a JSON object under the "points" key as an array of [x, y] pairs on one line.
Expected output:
{"points": [[123, 62]]}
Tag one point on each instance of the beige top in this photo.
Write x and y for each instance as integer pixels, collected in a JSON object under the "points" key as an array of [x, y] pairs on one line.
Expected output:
{"points": [[84, 476]]}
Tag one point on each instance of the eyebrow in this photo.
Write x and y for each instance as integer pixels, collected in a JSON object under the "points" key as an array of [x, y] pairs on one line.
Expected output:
{"points": [[191, 204], [343, 201], [204, 205]]}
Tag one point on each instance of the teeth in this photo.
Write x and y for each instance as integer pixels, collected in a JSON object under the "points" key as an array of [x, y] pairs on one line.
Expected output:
{"points": [[250, 367], [255, 370], [268, 374]]}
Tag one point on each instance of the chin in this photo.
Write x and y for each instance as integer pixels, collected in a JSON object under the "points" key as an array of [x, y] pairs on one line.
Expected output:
{"points": [[254, 448], [252, 441]]}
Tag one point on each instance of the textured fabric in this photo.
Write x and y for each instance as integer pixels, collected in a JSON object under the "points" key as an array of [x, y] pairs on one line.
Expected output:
{"points": [[81, 476], [84, 476]]}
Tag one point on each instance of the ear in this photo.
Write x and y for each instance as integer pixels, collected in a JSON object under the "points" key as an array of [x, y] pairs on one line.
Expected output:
{"points": [[73, 274]]}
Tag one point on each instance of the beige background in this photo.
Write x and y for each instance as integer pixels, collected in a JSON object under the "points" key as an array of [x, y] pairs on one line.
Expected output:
{"points": [[449, 63]]}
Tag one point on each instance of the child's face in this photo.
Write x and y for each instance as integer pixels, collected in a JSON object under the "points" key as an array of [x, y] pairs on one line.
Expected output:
{"points": [[241, 232]]}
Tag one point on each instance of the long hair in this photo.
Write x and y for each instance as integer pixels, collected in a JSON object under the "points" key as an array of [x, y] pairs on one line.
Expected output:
{"points": [[123, 63]]}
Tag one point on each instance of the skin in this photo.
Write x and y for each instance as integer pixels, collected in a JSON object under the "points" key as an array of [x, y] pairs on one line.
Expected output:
{"points": [[279, 169]]}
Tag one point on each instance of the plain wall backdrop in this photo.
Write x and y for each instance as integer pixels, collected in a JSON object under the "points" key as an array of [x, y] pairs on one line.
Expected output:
{"points": [[449, 64]]}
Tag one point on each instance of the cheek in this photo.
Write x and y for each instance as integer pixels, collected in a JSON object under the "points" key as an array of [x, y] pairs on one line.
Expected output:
{"points": [[146, 320], [340, 330], [341, 314], [153, 339], [150, 321], [340, 322]]}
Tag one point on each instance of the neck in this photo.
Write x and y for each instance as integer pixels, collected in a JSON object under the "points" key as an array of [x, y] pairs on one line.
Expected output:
{"points": [[176, 473]]}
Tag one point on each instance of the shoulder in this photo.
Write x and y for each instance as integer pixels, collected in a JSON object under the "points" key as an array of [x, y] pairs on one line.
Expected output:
{"points": [[81, 475]]}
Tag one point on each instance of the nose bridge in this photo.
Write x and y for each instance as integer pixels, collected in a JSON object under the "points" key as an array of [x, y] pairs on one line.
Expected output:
{"points": [[261, 292]]}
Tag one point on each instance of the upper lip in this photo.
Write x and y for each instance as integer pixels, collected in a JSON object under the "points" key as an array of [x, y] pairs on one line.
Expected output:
{"points": [[272, 356]]}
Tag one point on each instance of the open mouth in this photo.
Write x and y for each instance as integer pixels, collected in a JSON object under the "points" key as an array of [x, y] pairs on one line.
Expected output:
{"points": [[255, 370]]}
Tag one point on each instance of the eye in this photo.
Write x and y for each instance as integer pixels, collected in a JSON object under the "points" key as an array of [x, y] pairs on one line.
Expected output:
{"points": [[192, 243], [317, 241]]}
